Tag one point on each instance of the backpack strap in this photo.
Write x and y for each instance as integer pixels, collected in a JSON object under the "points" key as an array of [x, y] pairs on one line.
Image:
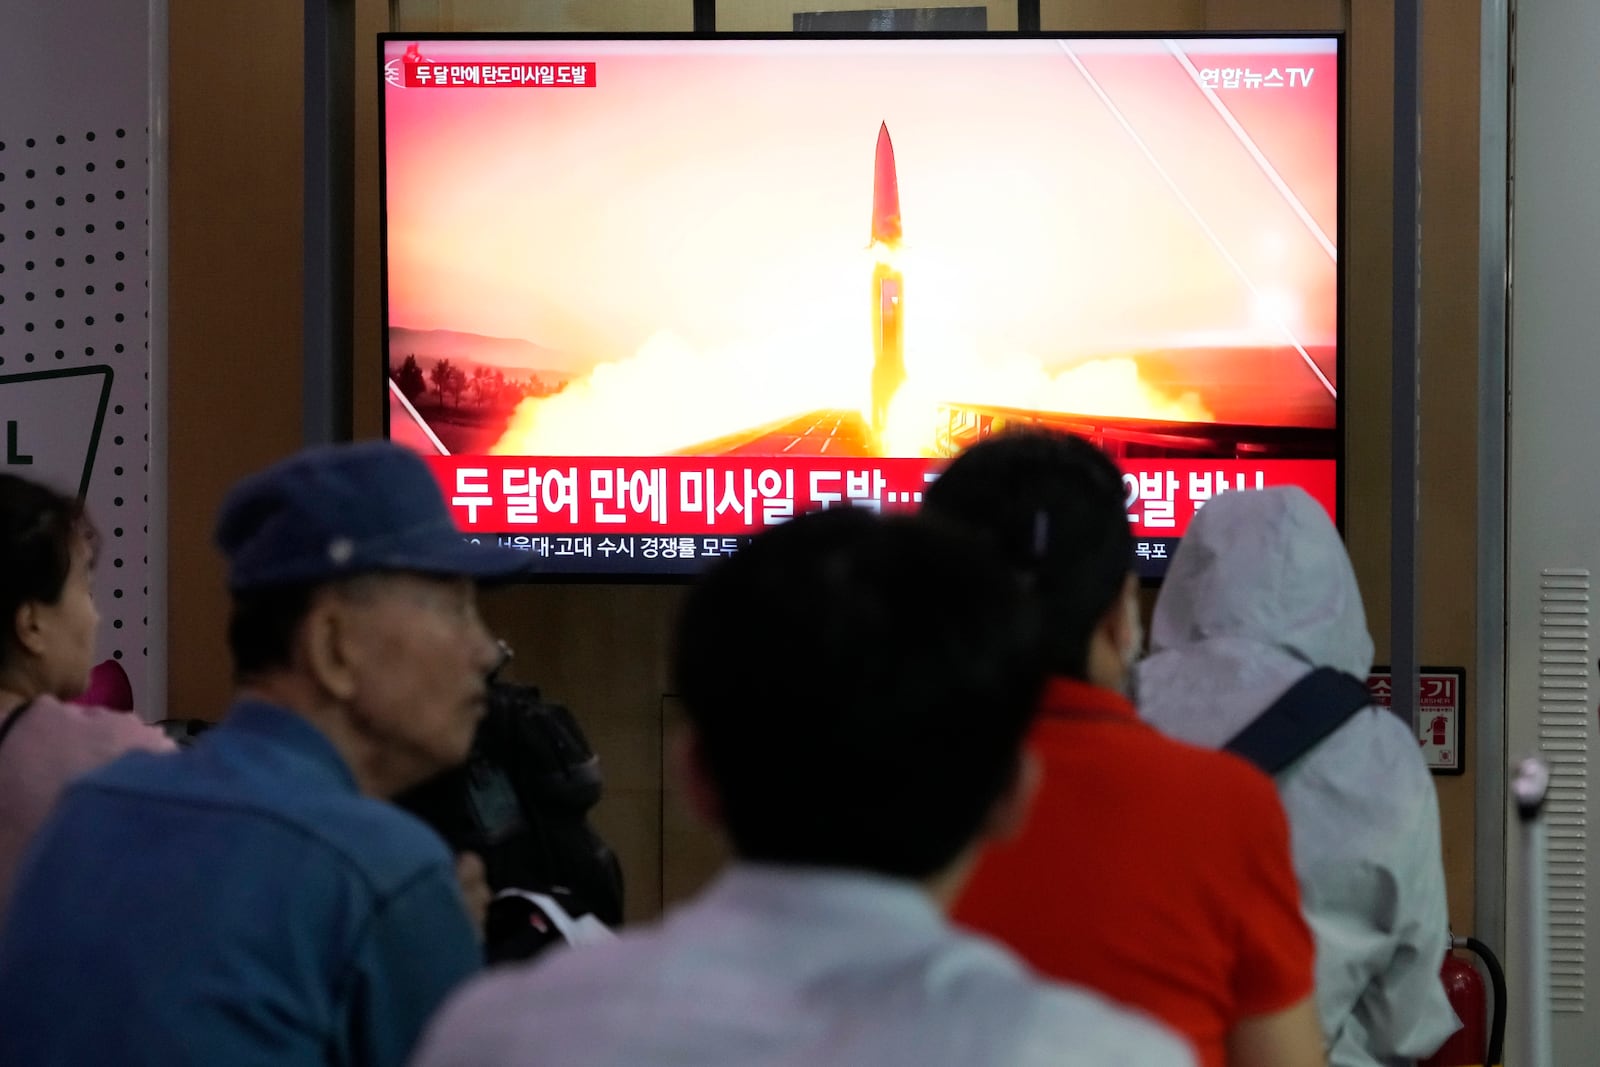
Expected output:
{"points": [[11, 720], [1297, 722]]}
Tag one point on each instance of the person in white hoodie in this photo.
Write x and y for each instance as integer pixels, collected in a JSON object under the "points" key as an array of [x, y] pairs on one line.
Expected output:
{"points": [[1261, 592]]}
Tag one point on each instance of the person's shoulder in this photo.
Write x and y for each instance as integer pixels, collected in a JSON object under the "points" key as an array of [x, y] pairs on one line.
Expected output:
{"points": [[382, 844], [1072, 1027], [277, 771], [1365, 790], [373, 842], [101, 733], [1375, 751], [1227, 779], [495, 1017], [1047, 1022]]}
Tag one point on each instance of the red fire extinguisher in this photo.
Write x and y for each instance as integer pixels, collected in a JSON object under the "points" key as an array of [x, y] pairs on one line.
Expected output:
{"points": [[1479, 1041]]}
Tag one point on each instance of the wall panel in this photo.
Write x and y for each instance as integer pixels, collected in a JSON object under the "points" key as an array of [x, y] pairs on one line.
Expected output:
{"points": [[74, 290], [234, 300]]}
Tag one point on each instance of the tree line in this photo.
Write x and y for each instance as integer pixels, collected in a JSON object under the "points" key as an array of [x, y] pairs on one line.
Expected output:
{"points": [[485, 387]]}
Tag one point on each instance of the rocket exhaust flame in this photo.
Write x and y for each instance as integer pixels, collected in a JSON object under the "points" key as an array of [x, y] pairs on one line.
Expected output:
{"points": [[1105, 387], [672, 395]]}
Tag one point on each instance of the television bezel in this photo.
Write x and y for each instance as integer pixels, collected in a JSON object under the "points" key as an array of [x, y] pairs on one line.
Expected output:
{"points": [[1339, 38]]}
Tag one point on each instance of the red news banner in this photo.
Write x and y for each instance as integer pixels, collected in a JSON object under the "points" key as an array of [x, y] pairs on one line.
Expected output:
{"points": [[519, 75], [734, 495]]}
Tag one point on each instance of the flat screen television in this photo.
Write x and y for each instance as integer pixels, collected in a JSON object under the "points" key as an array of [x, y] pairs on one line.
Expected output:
{"points": [[645, 296]]}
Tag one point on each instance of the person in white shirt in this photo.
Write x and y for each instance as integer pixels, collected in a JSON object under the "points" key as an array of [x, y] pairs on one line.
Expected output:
{"points": [[858, 690], [1261, 592]]}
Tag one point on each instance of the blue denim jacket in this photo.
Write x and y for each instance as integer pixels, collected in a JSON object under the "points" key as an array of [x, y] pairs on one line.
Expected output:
{"points": [[236, 903]]}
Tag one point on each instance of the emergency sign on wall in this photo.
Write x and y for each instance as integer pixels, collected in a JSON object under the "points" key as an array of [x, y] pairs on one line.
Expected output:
{"points": [[1440, 711]]}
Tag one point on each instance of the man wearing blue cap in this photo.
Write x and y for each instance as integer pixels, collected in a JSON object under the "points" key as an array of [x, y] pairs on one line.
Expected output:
{"points": [[254, 899]]}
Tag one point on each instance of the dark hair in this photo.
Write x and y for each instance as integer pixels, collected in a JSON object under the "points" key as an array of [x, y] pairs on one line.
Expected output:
{"points": [[39, 528], [262, 626], [1052, 504], [859, 689], [263, 621]]}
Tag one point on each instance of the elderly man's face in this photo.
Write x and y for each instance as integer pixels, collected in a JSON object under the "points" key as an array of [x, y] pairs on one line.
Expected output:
{"points": [[419, 657]]}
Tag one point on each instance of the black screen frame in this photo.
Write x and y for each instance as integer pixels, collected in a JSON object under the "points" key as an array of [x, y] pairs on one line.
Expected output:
{"points": [[1340, 39]]}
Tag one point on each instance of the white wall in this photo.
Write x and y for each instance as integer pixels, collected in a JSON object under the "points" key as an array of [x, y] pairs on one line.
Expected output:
{"points": [[74, 217]]}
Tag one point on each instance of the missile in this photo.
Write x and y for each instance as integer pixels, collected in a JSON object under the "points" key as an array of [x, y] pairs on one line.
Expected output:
{"points": [[888, 348]]}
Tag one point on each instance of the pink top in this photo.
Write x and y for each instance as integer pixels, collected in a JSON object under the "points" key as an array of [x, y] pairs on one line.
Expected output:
{"points": [[49, 746]]}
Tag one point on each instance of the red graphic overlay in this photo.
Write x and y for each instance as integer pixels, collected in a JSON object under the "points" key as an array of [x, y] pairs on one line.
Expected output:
{"points": [[733, 495], [424, 75]]}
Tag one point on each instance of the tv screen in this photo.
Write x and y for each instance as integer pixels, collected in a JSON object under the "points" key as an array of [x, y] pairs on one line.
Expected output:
{"points": [[647, 296]]}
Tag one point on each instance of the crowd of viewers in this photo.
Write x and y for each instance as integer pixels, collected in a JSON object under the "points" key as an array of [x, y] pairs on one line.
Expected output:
{"points": [[977, 823]]}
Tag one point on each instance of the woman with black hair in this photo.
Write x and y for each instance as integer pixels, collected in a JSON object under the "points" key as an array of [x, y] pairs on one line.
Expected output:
{"points": [[48, 623]]}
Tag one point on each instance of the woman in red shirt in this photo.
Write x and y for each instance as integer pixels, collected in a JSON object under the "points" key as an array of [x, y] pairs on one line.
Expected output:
{"points": [[1153, 871]]}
